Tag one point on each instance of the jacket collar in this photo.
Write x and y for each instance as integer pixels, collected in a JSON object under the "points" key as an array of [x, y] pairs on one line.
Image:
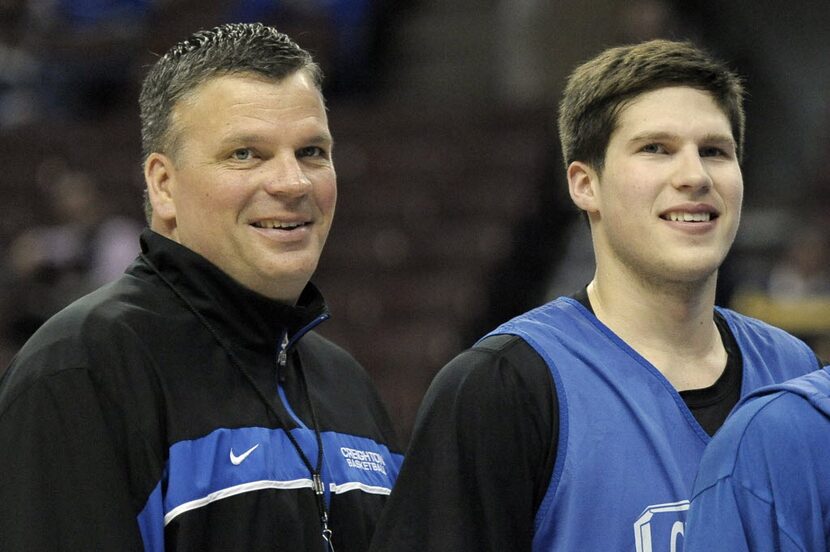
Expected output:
{"points": [[236, 311]]}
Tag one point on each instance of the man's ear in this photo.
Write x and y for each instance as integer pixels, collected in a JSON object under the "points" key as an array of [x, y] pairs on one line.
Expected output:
{"points": [[160, 177], [583, 182]]}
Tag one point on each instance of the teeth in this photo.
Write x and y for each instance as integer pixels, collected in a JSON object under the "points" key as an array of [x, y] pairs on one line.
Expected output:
{"points": [[276, 224], [689, 217]]}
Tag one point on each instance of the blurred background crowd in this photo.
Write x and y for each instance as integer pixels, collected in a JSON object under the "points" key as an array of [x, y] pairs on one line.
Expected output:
{"points": [[453, 212]]}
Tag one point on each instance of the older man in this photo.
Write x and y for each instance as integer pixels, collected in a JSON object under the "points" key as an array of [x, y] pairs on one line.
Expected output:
{"points": [[190, 405]]}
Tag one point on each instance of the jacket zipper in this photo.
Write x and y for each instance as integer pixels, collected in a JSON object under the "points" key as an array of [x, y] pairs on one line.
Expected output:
{"points": [[286, 344], [282, 360]]}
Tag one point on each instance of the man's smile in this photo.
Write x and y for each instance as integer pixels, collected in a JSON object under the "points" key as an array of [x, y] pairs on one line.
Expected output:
{"points": [[276, 224]]}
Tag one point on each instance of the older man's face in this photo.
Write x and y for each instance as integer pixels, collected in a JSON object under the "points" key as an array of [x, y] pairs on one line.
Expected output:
{"points": [[252, 187]]}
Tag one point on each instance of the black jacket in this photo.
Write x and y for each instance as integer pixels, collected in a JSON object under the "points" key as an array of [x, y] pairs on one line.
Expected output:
{"points": [[153, 413]]}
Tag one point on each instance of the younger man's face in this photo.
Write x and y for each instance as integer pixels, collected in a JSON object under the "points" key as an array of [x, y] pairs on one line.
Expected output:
{"points": [[668, 200]]}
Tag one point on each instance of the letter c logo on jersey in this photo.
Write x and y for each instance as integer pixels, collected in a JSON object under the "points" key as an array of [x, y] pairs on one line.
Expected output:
{"points": [[661, 527]]}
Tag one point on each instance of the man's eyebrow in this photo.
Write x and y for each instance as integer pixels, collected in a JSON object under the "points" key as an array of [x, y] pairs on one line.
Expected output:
{"points": [[656, 136], [719, 139], [322, 138], [316, 139], [712, 138], [242, 138]]}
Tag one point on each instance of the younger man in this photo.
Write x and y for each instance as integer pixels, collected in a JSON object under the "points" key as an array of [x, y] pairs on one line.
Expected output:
{"points": [[579, 425]]}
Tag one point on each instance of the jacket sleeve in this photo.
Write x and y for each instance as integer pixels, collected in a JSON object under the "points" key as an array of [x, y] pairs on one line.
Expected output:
{"points": [[63, 479], [479, 460]]}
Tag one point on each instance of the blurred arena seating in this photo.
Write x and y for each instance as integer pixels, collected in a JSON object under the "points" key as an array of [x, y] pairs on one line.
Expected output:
{"points": [[451, 214]]}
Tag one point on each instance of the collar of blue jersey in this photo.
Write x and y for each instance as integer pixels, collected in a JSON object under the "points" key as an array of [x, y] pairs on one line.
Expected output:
{"points": [[240, 314]]}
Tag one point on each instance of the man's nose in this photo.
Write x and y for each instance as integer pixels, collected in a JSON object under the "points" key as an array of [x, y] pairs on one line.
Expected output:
{"points": [[691, 171], [285, 176]]}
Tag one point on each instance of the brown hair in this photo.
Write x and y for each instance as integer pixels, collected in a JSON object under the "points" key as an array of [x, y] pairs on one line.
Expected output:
{"points": [[599, 89]]}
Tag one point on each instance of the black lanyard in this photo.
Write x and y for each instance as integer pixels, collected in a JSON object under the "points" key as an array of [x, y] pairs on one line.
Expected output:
{"points": [[314, 471]]}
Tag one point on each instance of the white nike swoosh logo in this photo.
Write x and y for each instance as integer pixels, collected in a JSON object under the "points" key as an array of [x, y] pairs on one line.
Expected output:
{"points": [[236, 460]]}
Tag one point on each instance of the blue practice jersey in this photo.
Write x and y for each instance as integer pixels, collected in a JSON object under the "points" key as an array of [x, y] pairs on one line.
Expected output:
{"points": [[764, 481], [628, 445]]}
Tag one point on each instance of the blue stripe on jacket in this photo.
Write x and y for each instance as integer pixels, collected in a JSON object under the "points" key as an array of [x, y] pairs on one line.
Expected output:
{"points": [[201, 471]]}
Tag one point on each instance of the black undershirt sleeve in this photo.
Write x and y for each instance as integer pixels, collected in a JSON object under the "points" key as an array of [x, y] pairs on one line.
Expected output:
{"points": [[480, 456]]}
